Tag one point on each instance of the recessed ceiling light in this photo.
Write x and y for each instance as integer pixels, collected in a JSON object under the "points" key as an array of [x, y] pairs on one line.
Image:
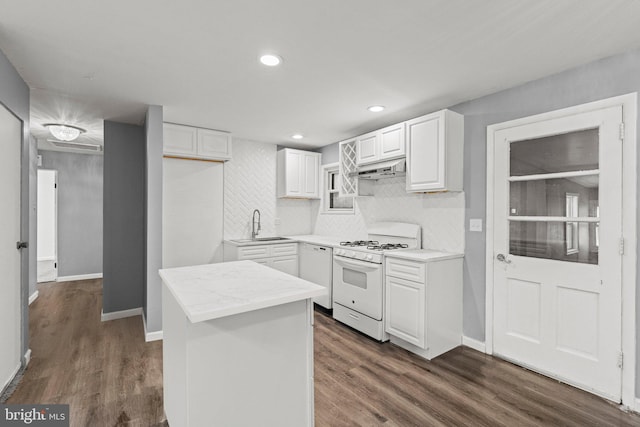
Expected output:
{"points": [[270, 60], [376, 108], [297, 136]]}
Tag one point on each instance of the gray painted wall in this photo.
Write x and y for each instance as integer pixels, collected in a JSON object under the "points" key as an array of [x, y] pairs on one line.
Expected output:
{"points": [[79, 210], [330, 153], [153, 288], [123, 216], [14, 94], [602, 79]]}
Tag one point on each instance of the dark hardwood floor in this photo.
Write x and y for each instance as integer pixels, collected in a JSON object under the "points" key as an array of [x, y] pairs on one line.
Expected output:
{"points": [[111, 377]]}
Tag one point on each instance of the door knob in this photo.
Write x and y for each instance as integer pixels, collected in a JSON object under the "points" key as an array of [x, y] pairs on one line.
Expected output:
{"points": [[502, 258]]}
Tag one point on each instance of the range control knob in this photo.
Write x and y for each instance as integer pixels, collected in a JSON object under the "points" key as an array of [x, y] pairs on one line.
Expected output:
{"points": [[369, 257]]}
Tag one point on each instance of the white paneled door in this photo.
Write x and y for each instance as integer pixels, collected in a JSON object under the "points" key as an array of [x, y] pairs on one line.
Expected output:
{"points": [[10, 142], [557, 257]]}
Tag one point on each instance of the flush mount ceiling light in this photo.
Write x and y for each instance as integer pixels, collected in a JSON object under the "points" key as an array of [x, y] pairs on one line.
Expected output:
{"points": [[297, 136], [270, 60], [376, 108], [64, 132]]}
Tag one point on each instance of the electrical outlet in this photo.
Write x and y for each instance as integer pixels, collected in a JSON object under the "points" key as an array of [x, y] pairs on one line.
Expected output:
{"points": [[277, 221], [475, 224]]}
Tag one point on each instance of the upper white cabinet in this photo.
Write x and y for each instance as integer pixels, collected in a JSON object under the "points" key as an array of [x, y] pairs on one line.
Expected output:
{"points": [[383, 144], [434, 152], [197, 143], [298, 174]]}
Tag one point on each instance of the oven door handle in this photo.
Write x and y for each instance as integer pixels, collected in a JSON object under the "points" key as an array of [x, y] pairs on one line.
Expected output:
{"points": [[362, 265]]}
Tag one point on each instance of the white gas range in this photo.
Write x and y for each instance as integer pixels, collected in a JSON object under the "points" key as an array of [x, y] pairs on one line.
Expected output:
{"points": [[358, 275]]}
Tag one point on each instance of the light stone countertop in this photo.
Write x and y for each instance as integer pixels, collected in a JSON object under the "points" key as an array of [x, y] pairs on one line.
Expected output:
{"points": [[249, 242], [212, 291], [422, 255], [307, 238], [316, 239]]}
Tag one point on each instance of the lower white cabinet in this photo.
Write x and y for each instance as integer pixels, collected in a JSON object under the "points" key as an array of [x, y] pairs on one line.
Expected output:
{"points": [[282, 256], [423, 304]]}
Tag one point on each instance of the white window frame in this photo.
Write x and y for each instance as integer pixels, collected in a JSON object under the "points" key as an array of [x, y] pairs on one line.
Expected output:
{"points": [[326, 191], [572, 201]]}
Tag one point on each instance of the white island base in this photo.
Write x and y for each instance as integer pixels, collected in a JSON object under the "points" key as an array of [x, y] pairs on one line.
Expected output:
{"points": [[253, 368]]}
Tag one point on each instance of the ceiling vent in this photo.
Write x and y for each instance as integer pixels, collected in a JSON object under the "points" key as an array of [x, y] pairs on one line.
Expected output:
{"points": [[76, 145]]}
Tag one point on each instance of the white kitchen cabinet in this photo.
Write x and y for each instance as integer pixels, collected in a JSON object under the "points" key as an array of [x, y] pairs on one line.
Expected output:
{"points": [[435, 152], [280, 256], [196, 143], [406, 310], [298, 174], [423, 304], [383, 144]]}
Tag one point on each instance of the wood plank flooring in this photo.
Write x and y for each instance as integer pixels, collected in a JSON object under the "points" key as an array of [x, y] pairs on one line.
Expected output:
{"points": [[111, 377]]}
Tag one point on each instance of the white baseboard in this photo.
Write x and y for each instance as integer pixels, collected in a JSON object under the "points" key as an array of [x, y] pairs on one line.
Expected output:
{"points": [[150, 336], [79, 277], [27, 358], [105, 317], [474, 344], [33, 297], [11, 377]]}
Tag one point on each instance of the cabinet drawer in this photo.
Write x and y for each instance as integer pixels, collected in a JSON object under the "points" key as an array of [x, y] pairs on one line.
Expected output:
{"points": [[284, 249], [408, 270], [252, 252]]}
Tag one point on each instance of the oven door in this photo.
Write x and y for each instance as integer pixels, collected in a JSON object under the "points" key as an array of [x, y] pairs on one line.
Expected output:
{"points": [[358, 285]]}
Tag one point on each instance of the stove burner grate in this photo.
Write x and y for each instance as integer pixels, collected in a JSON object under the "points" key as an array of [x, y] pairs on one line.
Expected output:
{"points": [[387, 246], [361, 243]]}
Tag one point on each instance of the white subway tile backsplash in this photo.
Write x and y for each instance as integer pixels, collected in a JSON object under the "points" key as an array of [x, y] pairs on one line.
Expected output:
{"points": [[249, 183], [441, 215]]}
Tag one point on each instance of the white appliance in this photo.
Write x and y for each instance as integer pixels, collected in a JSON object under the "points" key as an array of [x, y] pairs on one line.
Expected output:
{"points": [[358, 276], [316, 266]]}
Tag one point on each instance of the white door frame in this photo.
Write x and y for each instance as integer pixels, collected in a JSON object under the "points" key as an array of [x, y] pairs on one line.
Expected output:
{"points": [[629, 217]]}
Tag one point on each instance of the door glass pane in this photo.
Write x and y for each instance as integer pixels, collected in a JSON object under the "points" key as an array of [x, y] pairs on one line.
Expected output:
{"points": [[554, 240], [564, 197], [573, 151], [548, 197]]}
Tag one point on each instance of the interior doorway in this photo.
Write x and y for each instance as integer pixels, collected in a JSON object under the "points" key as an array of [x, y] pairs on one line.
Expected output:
{"points": [[47, 225]]}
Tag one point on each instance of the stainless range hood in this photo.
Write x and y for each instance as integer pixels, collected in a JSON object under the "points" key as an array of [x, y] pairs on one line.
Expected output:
{"points": [[387, 169]]}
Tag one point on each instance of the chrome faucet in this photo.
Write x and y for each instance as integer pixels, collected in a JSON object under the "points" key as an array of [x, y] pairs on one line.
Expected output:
{"points": [[255, 232]]}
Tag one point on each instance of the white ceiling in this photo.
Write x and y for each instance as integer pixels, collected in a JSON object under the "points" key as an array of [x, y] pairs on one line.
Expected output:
{"points": [[89, 60]]}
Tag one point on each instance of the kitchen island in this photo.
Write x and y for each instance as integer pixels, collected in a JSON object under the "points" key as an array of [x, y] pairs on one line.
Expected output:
{"points": [[237, 346]]}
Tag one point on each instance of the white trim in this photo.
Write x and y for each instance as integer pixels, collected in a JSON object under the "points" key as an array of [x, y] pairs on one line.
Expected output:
{"points": [[79, 277], [150, 336], [105, 317], [33, 297], [324, 208], [629, 217], [27, 358], [11, 378], [555, 175], [636, 407], [474, 344]]}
